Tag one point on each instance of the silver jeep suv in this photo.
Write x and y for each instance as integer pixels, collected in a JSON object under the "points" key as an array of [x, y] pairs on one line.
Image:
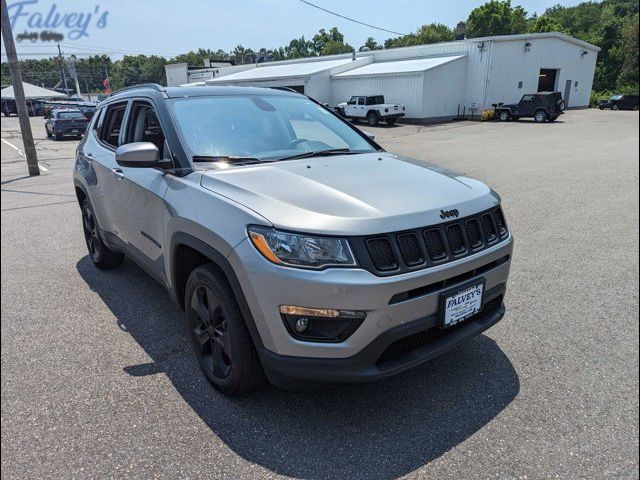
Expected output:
{"points": [[299, 249]]}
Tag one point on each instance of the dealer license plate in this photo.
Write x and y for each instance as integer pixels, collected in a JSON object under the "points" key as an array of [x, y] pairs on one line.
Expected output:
{"points": [[459, 305]]}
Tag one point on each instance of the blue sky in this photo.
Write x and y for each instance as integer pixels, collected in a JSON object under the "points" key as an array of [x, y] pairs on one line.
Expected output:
{"points": [[169, 27]]}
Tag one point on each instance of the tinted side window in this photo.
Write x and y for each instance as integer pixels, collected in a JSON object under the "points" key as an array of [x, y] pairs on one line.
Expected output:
{"points": [[361, 101], [528, 98], [113, 123]]}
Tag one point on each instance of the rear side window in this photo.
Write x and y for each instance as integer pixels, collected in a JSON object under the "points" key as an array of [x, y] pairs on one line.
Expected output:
{"points": [[112, 124], [361, 101], [376, 100], [96, 121]]}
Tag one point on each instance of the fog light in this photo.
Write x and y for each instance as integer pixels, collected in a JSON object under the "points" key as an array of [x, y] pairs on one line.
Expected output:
{"points": [[301, 324], [321, 324]]}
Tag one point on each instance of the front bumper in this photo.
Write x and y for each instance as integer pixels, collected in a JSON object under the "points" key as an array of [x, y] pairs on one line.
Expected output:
{"points": [[398, 349], [267, 286]]}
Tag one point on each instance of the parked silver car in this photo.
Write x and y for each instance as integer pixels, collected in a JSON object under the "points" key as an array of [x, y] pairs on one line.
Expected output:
{"points": [[299, 249]]}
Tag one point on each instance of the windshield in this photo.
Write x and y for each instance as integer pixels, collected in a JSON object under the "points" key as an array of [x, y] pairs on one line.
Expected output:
{"points": [[616, 97], [70, 115], [265, 127]]}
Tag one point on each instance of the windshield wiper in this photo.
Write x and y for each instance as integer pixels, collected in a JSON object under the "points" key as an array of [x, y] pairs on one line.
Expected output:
{"points": [[321, 153], [227, 159]]}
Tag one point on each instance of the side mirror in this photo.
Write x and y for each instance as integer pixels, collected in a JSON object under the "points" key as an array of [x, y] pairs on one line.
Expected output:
{"points": [[370, 135], [140, 155]]}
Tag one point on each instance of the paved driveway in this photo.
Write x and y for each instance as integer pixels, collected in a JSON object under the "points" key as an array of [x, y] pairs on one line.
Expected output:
{"points": [[98, 378]]}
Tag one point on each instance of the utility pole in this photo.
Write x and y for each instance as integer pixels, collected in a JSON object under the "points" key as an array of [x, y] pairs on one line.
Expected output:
{"points": [[18, 92], [63, 77], [74, 74]]}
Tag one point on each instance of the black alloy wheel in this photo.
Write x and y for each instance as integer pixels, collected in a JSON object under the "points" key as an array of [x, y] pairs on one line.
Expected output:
{"points": [[222, 343], [91, 232], [210, 333], [101, 256]]}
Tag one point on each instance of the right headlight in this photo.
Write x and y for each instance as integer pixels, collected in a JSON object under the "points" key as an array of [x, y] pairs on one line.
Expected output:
{"points": [[301, 250]]}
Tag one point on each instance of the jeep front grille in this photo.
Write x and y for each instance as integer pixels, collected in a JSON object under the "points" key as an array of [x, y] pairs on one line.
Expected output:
{"points": [[399, 252]]}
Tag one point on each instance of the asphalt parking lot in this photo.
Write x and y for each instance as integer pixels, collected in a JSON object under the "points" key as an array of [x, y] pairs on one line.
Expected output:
{"points": [[98, 377]]}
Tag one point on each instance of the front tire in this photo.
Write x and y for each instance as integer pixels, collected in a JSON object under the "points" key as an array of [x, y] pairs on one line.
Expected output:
{"points": [[615, 107], [540, 116], [372, 119], [504, 116], [48, 133], [219, 334], [101, 255]]}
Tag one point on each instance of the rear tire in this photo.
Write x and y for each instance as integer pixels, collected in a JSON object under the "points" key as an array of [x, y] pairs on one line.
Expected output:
{"points": [[372, 119], [101, 255], [540, 116], [220, 337], [601, 107]]}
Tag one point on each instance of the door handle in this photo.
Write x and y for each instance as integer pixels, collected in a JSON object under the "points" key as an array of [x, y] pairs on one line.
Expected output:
{"points": [[88, 157], [118, 173]]}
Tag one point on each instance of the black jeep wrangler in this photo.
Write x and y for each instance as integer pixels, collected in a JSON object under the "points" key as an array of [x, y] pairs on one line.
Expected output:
{"points": [[542, 106]]}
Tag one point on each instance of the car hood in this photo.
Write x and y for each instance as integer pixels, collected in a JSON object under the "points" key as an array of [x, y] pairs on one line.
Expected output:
{"points": [[350, 194]]}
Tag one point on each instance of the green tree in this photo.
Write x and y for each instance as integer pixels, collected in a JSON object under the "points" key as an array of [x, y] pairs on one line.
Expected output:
{"points": [[630, 60], [545, 24], [197, 58], [496, 18], [133, 69], [299, 48], [330, 43], [371, 44], [431, 33]]}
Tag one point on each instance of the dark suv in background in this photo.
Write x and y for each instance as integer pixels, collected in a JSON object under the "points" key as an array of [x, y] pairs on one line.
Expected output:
{"points": [[542, 106], [620, 102], [67, 122]]}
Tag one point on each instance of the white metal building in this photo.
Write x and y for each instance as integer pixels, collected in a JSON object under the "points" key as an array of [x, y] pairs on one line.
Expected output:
{"points": [[436, 81]]}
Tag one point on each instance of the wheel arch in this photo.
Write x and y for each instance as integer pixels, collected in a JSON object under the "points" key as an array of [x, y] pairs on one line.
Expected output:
{"points": [[81, 193], [187, 253]]}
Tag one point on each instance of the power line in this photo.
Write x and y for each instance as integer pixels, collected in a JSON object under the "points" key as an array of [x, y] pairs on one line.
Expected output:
{"points": [[90, 48], [351, 19]]}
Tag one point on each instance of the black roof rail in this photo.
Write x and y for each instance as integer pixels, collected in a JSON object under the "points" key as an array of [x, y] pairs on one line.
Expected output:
{"points": [[154, 86]]}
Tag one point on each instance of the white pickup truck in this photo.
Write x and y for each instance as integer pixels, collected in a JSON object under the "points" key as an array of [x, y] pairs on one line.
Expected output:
{"points": [[372, 108]]}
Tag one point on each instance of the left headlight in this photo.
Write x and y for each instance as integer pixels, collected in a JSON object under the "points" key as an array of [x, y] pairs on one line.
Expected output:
{"points": [[301, 250]]}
